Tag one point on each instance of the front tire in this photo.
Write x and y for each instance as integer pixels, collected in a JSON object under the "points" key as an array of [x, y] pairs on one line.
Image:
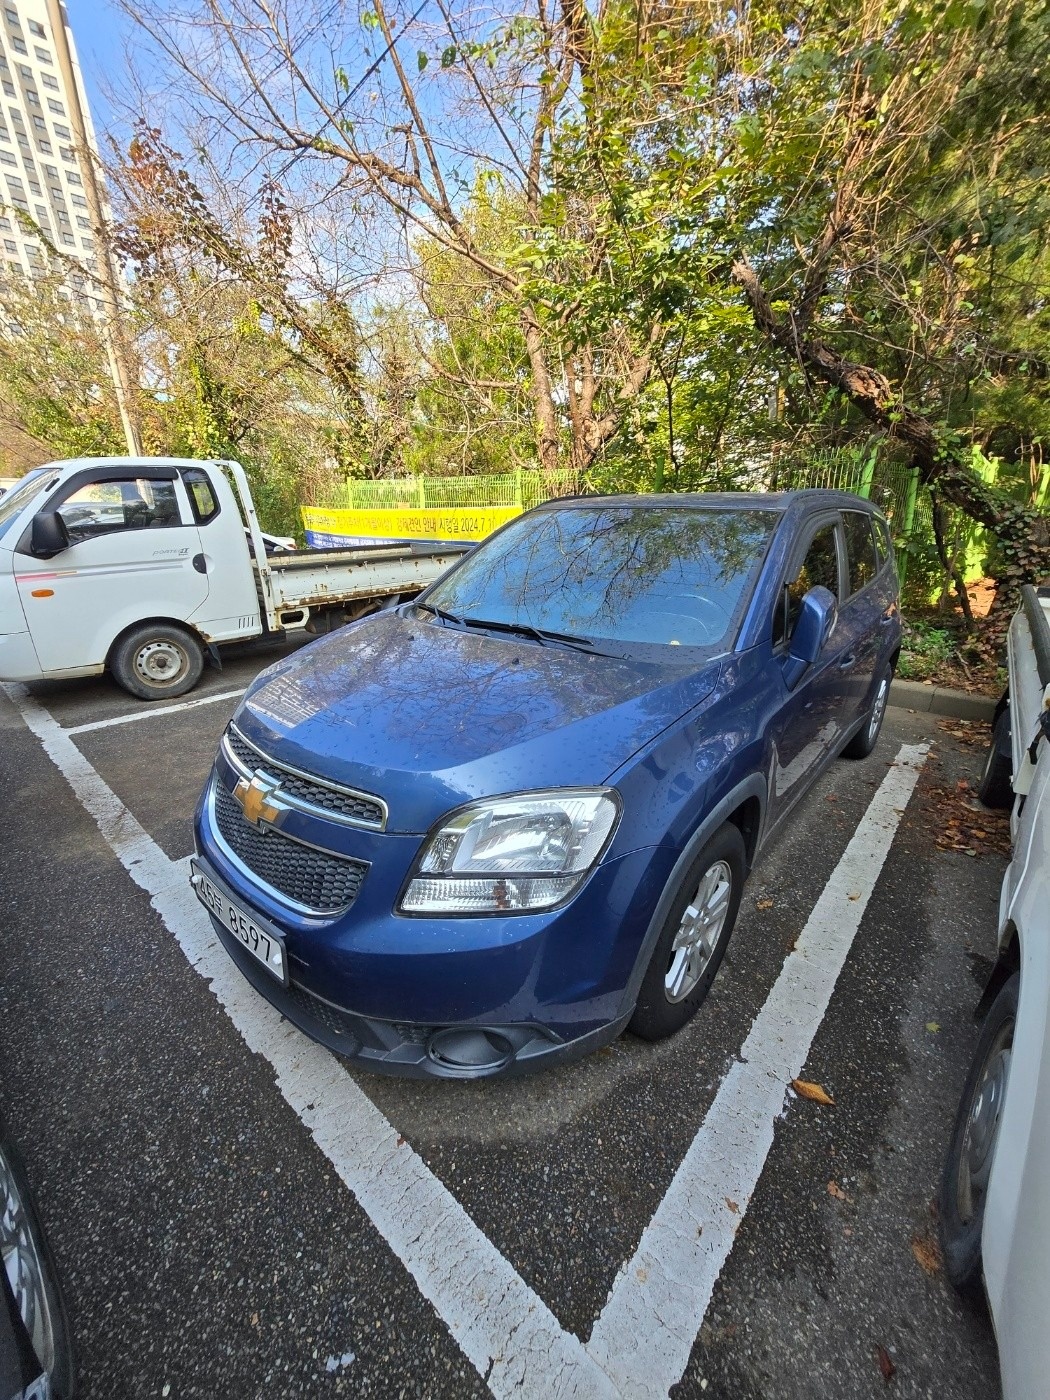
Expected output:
{"points": [[157, 661], [971, 1150], [864, 741], [693, 939]]}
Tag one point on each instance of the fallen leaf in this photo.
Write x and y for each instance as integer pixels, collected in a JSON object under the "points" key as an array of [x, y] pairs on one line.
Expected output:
{"points": [[853, 894], [733, 1206], [886, 1365], [815, 1092], [401, 1141], [763, 904], [834, 1189], [927, 1253], [933, 1026], [830, 797], [255, 1319]]}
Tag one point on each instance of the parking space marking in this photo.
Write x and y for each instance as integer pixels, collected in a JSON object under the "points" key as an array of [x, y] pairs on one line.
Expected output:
{"points": [[505, 1330], [154, 710], [640, 1344], [664, 1291]]}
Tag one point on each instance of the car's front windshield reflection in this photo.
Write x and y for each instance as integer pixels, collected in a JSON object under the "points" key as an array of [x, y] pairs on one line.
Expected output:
{"points": [[670, 575]]}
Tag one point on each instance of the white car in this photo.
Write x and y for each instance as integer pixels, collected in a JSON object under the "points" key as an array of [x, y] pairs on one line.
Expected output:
{"points": [[995, 1192]]}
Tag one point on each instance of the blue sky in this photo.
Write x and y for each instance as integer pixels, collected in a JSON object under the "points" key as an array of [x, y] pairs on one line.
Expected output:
{"points": [[99, 31]]}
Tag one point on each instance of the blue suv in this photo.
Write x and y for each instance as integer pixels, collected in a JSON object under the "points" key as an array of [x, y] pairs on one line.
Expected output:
{"points": [[492, 828]]}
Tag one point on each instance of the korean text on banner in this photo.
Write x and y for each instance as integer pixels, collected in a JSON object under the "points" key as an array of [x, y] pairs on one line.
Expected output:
{"points": [[446, 525]]}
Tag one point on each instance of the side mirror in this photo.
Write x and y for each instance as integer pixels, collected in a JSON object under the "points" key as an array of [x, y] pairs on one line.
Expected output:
{"points": [[816, 622], [49, 536]]}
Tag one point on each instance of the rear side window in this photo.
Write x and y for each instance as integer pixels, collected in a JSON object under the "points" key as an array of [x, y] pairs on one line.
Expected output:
{"points": [[202, 497], [820, 566], [860, 549]]}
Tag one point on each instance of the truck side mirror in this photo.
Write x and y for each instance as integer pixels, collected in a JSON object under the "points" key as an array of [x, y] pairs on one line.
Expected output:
{"points": [[815, 624], [49, 536]]}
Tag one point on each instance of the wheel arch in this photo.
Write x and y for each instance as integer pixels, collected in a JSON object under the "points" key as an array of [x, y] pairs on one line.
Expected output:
{"points": [[163, 621], [744, 807], [1006, 964]]}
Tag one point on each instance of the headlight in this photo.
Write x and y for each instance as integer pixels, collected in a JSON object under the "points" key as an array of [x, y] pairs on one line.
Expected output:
{"points": [[513, 854]]}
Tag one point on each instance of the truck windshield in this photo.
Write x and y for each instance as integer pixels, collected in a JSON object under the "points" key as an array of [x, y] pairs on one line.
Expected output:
{"points": [[665, 575], [11, 502]]}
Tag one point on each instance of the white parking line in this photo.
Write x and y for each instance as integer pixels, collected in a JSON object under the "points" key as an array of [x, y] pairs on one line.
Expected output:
{"points": [[642, 1340], [154, 710], [663, 1292]]}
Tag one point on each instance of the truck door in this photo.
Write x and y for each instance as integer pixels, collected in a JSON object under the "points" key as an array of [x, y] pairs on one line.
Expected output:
{"points": [[134, 553]]}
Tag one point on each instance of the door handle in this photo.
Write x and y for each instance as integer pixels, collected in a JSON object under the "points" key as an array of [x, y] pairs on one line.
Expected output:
{"points": [[848, 662]]}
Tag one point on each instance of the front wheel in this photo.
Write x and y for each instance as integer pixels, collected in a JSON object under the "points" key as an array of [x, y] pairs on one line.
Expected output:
{"points": [[964, 1184], [157, 661], [864, 741], [693, 939]]}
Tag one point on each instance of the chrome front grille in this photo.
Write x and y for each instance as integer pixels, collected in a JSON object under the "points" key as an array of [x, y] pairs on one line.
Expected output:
{"points": [[317, 880], [303, 789]]}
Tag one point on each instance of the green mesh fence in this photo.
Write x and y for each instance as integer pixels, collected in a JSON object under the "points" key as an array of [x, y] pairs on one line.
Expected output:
{"points": [[524, 489]]}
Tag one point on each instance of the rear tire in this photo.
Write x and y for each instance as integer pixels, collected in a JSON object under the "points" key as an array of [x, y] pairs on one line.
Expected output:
{"points": [[864, 741], [964, 1184], [996, 786], [157, 661], [693, 939]]}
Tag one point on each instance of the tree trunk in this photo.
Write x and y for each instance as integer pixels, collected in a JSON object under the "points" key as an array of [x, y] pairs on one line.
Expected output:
{"points": [[1023, 534], [549, 438]]}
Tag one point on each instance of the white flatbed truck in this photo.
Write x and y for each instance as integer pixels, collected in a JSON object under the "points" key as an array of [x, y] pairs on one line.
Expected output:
{"points": [[145, 566]]}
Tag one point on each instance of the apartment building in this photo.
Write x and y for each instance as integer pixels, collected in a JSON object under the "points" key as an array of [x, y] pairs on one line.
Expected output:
{"points": [[40, 170]]}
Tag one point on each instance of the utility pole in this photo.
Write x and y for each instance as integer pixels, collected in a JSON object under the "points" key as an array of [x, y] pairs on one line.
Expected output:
{"points": [[106, 280]]}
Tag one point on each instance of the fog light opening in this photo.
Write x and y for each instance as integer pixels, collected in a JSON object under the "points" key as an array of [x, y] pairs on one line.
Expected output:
{"points": [[468, 1050]]}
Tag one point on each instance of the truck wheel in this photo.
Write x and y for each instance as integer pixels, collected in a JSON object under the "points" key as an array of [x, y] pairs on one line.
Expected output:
{"points": [[693, 939], [996, 786], [865, 739], [964, 1184], [157, 660]]}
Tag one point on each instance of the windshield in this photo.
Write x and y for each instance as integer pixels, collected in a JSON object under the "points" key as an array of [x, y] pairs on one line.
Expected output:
{"points": [[11, 502], [669, 575]]}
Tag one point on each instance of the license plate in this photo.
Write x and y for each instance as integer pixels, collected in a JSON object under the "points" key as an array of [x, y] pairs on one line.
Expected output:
{"points": [[261, 942]]}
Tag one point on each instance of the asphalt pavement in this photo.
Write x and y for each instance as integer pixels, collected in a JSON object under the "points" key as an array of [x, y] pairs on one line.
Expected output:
{"points": [[209, 1243]]}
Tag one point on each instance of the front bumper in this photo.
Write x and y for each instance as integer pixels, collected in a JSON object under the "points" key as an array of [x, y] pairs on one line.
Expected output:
{"points": [[453, 997], [410, 1050], [18, 658]]}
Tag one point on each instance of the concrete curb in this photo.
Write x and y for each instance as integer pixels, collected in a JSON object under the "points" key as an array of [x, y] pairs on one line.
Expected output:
{"points": [[939, 700]]}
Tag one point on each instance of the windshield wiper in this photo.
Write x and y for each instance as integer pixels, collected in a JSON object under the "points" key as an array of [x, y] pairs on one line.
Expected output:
{"points": [[525, 629], [450, 618]]}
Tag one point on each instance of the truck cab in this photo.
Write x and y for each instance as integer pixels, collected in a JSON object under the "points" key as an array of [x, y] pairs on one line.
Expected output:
{"points": [[142, 566], [95, 550]]}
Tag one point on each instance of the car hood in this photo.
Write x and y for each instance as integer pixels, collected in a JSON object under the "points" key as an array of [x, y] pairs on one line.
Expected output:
{"points": [[428, 717]]}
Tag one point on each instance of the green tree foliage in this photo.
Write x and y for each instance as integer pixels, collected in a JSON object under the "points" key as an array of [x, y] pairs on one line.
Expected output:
{"points": [[54, 379], [894, 246]]}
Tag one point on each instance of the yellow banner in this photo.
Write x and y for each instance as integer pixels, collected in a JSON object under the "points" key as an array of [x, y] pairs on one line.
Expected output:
{"points": [[470, 523]]}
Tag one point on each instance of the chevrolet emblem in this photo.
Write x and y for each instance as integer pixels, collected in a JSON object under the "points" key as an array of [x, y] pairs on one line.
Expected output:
{"points": [[257, 800]]}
